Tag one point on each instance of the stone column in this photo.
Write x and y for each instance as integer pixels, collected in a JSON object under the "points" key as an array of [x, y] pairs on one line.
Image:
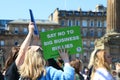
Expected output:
{"points": [[113, 16]]}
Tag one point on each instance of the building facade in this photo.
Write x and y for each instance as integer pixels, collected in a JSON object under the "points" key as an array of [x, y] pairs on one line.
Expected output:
{"points": [[3, 31], [92, 23]]}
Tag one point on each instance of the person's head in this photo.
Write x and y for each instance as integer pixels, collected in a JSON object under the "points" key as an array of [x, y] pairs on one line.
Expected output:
{"points": [[34, 63], [102, 59], [77, 64], [11, 56]]}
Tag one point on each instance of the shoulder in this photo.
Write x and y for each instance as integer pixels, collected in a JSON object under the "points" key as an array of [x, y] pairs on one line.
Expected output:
{"points": [[12, 68]]}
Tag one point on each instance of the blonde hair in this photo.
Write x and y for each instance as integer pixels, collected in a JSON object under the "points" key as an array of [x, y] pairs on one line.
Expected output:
{"points": [[91, 62], [99, 61], [33, 65]]}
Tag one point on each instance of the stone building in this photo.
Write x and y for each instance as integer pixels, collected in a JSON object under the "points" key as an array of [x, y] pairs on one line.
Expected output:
{"points": [[92, 23]]}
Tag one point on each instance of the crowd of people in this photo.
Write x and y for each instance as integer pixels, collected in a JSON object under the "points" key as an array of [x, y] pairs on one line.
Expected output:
{"points": [[26, 62]]}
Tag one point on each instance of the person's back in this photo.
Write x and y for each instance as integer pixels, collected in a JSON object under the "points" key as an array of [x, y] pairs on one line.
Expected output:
{"points": [[54, 74]]}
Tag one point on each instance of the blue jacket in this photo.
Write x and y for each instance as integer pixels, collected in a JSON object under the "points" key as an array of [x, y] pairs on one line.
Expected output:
{"points": [[54, 74]]}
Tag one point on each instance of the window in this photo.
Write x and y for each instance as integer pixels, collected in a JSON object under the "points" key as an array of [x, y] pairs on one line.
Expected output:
{"points": [[91, 14], [70, 23], [91, 23], [25, 30], [105, 24], [77, 23], [99, 14], [84, 23], [84, 13], [92, 33], [77, 13], [62, 23], [70, 13], [2, 43], [84, 43], [99, 24], [99, 34], [92, 44], [16, 43], [3, 22], [43, 30], [84, 33], [62, 14], [16, 30]]}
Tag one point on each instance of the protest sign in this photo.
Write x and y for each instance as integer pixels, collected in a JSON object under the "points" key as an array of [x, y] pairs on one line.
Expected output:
{"points": [[63, 38]]}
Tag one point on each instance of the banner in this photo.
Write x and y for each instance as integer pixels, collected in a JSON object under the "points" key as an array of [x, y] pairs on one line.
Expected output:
{"points": [[63, 38]]}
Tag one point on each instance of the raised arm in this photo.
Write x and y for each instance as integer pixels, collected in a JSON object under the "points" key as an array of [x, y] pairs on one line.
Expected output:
{"points": [[66, 74], [19, 60], [36, 40]]}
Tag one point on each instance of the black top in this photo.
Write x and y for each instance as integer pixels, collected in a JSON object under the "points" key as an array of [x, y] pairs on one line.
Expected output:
{"points": [[12, 72], [1, 76], [89, 73]]}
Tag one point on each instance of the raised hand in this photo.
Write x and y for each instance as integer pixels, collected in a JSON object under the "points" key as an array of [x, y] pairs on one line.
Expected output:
{"points": [[31, 27], [64, 55]]}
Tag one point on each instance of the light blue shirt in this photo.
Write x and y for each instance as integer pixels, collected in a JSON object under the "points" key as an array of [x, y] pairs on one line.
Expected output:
{"points": [[54, 74]]}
